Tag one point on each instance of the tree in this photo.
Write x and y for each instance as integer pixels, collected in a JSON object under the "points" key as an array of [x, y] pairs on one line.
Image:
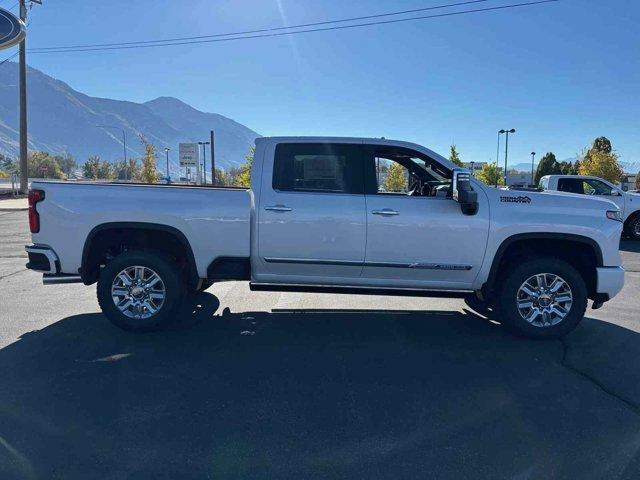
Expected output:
{"points": [[454, 156], [603, 165], [548, 165], [106, 171], [396, 179], [41, 164], [67, 163], [491, 174], [91, 167], [602, 144], [638, 181], [567, 168], [222, 178], [601, 161], [129, 170], [149, 173], [243, 178], [7, 164]]}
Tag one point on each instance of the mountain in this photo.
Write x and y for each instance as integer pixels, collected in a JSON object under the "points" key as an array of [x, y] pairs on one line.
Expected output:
{"points": [[62, 119]]}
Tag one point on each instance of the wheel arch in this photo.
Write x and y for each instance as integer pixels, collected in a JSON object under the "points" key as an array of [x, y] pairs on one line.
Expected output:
{"points": [[103, 236], [547, 244]]}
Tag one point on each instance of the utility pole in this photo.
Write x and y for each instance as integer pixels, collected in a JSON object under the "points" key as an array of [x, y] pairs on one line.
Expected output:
{"points": [[24, 174]]}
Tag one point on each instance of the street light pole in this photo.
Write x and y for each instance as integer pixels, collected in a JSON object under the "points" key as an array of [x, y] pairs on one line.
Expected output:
{"points": [[533, 155], [498, 154], [166, 151], [124, 145], [204, 159], [506, 150]]}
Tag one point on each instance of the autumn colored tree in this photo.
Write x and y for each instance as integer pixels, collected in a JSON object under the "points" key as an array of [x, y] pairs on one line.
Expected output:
{"points": [[41, 164], [149, 172], [491, 174], [243, 179], [603, 165], [396, 179]]}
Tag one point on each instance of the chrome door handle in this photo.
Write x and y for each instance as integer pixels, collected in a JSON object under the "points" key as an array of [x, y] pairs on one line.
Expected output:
{"points": [[385, 211], [278, 208]]}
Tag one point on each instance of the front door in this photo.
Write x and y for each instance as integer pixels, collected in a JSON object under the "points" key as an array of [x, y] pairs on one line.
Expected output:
{"points": [[417, 236], [311, 216]]}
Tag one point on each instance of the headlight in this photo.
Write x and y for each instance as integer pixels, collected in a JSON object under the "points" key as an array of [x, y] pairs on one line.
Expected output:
{"points": [[614, 215]]}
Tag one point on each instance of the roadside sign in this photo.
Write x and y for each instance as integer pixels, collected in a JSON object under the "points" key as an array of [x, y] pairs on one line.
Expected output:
{"points": [[12, 29], [189, 154]]}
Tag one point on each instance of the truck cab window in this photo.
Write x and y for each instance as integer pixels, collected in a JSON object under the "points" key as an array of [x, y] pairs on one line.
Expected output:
{"points": [[583, 186], [310, 167], [400, 171]]}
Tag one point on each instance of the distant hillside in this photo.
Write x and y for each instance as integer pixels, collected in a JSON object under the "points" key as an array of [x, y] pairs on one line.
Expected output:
{"points": [[64, 120]]}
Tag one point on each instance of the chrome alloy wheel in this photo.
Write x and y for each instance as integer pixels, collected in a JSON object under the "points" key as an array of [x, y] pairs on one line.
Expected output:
{"points": [[544, 299], [138, 292], [636, 227]]}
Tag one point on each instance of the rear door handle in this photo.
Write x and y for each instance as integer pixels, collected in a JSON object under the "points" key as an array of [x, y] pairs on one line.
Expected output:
{"points": [[278, 208], [385, 212]]}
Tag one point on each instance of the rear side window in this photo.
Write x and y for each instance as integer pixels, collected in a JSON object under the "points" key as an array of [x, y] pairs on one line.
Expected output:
{"points": [[571, 185], [318, 167]]}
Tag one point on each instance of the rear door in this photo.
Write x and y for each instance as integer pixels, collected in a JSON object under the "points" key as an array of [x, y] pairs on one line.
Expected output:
{"points": [[311, 215]]}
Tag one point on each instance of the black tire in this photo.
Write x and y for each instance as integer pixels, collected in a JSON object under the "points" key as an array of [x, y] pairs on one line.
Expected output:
{"points": [[514, 278], [632, 227], [172, 281]]}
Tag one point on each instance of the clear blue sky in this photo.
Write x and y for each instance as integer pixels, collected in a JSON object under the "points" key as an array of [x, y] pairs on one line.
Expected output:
{"points": [[561, 73]]}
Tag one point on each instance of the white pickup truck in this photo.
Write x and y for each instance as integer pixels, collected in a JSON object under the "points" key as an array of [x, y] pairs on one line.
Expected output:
{"points": [[366, 216], [629, 203]]}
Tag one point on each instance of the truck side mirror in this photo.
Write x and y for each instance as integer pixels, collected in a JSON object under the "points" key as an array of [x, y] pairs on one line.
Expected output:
{"points": [[463, 193]]}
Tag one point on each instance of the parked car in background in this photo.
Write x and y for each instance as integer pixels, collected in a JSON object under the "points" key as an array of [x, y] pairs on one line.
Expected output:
{"points": [[350, 215], [628, 202]]}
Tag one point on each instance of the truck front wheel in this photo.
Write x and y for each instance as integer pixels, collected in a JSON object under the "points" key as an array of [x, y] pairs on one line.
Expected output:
{"points": [[542, 298], [140, 291], [632, 228]]}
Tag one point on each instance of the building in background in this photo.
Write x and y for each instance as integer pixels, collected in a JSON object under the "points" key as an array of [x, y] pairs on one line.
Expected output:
{"points": [[518, 179], [475, 167], [628, 182]]}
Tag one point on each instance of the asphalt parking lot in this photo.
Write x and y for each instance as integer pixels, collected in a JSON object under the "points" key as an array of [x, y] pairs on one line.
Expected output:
{"points": [[268, 385]]}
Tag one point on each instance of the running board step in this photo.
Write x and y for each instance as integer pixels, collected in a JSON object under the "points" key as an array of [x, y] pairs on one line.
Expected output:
{"points": [[271, 287], [53, 279]]}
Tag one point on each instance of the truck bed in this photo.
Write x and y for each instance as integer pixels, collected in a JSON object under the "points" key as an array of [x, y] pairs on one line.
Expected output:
{"points": [[71, 210]]}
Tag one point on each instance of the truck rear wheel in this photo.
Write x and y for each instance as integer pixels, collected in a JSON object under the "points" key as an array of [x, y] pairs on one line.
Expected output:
{"points": [[542, 298], [140, 291]]}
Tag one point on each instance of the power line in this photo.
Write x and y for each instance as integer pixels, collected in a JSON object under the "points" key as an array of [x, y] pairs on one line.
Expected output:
{"points": [[263, 30], [8, 58], [278, 34]]}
